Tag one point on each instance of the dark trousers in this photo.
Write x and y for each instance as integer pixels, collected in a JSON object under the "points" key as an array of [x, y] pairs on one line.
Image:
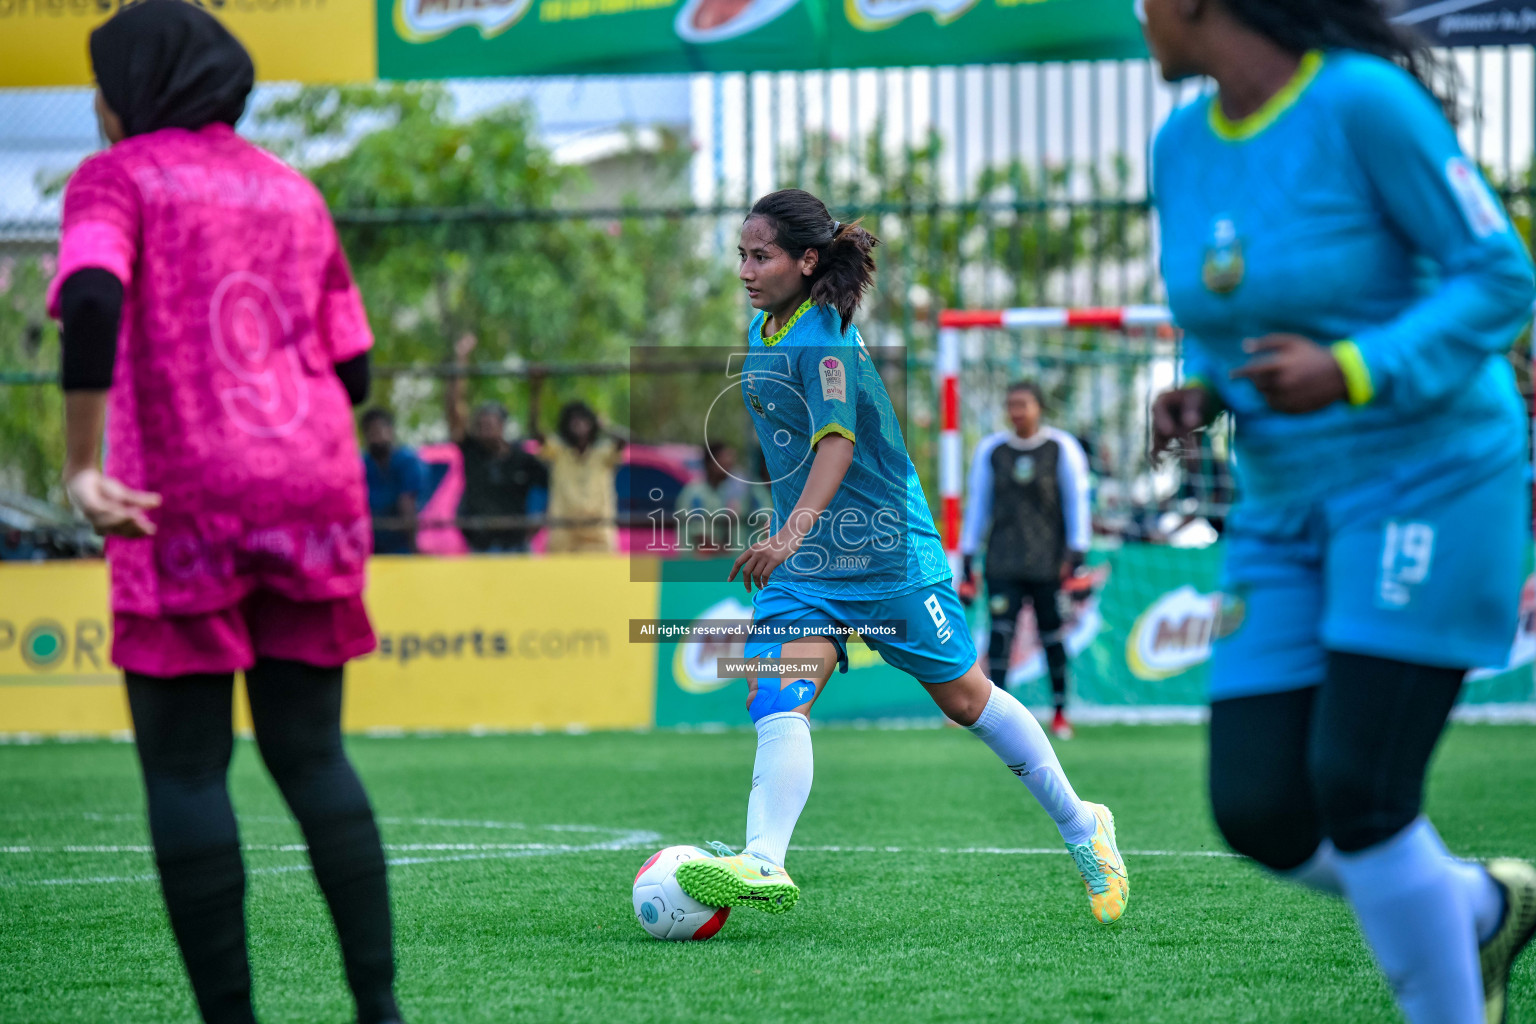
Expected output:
{"points": [[1005, 599], [1344, 760], [184, 741]]}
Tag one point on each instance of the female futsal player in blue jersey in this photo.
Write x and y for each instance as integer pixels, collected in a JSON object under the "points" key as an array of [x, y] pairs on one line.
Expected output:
{"points": [[1349, 286], [853, 547]]}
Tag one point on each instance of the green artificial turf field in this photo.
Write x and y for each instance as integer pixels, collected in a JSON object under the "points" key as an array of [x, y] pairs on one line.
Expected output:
{"points": [[933, 887]]}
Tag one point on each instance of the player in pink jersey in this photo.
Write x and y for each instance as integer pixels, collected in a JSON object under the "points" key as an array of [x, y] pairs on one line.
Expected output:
{"points": [[210, 321]]}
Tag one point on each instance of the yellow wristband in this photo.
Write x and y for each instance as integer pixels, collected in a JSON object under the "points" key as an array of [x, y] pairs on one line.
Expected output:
{"points": [[1357, 375]]}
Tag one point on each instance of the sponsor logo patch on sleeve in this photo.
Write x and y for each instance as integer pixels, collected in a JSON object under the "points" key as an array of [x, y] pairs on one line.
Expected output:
{"points": [[834, 380], [1484, 215]]}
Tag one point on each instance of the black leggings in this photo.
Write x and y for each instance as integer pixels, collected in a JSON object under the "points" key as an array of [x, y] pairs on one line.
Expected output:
{"points": [[1005, 599], [1344, 760], [184, 739]]}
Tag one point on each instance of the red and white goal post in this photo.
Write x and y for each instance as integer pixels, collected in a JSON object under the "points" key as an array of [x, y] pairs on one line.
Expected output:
{"points": [[952, 322]]}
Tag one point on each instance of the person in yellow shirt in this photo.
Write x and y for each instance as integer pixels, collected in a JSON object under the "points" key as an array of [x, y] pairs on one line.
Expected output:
{"points": [[583, 503]]}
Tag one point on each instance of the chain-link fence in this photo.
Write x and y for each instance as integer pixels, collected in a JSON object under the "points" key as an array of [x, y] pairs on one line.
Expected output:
{"points": [[562, 222]]}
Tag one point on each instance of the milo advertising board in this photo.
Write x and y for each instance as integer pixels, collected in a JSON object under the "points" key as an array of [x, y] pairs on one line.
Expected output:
{"points": [[689, 691], [460, 38], [1141, 633]]}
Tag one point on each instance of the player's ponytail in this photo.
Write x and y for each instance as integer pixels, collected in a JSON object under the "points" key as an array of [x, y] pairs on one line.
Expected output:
{"points": [[845, 265], [1363, 25], [846, 270]]}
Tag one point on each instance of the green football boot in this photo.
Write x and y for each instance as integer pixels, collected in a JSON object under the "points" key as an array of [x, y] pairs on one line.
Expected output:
{"points": [[1518, 880], [738, 880]]}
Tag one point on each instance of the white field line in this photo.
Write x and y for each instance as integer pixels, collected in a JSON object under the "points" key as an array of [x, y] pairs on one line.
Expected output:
{"points": [[1004, 851], [302, 848], [622, 839], [633, 841]]}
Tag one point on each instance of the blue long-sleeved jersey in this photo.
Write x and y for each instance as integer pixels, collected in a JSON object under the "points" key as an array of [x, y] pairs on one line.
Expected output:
{"points": [[1345, 211]]}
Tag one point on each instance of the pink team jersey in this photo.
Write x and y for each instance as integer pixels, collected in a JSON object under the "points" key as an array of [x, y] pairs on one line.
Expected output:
{"points": [[237, 303]]}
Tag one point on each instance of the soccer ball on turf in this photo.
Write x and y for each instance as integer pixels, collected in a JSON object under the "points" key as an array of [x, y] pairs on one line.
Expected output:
{"points": [[661, 906]]}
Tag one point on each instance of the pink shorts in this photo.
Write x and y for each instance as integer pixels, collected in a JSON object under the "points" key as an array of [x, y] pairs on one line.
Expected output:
{"points": [[265, 625]]}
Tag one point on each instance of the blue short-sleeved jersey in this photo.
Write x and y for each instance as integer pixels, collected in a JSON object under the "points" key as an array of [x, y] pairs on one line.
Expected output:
{"points": [[877, 536], [1345, 211]]}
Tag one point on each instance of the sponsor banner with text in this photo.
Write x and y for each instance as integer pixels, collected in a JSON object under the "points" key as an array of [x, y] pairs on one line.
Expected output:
{"points": [[55, 644], [475, 643], [43, 42], [1470, 22], [690, 690], [456, 38], [523, 644], [504, 643], [1141, 634]]}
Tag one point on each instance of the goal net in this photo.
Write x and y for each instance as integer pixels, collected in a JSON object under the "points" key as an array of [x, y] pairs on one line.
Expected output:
{"points": [[1142, 614]]}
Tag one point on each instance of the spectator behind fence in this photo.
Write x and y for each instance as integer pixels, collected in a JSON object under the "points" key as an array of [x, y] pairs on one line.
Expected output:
{"points": [[396, 478], [708, 507], [497, 475], [583, 502]]}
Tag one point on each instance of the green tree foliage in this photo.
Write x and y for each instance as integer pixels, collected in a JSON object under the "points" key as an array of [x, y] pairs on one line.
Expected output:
{"points": [[468, 224], [1018, 234], [31, 414], [534, 285], [1008, 239]]}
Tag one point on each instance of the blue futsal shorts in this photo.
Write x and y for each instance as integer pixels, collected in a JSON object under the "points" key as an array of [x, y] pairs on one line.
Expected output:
{"points": [[922, 632], [1423, 565]]}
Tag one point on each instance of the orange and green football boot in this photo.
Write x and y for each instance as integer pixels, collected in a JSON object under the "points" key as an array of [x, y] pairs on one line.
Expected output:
{"points": [[1518, 880], [738, 880], [1102, 868]]}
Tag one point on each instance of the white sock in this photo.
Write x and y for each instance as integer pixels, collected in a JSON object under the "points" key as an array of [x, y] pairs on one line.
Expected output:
{"points": [[1013, 734], [1320, 872], [781, 783], [1478, 888], [1411, 909]]}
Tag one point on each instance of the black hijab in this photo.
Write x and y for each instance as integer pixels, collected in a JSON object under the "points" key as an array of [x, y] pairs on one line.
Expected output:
{"points": [[168, 64]]}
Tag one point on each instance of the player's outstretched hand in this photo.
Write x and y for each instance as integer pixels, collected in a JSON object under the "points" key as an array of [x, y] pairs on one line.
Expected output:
{"points": [[757, 563], [1294, 374], [1177, 414], [111, 506]]}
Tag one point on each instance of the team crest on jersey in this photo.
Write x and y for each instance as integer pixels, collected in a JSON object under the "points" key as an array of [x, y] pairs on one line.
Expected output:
{"points": [[1223, 269], [1024, 469], [1230, 614], [834, 380]]}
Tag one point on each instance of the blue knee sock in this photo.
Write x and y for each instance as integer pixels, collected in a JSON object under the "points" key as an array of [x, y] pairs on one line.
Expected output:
{"points": [[1414, 914], [1480, 891], [1320, 872]]}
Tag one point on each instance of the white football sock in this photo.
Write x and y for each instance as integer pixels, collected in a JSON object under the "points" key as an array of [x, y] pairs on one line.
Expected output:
{"points": [[1013, 734], [1478, 888], [1319, 872], [1412, 911], [781, 783]]}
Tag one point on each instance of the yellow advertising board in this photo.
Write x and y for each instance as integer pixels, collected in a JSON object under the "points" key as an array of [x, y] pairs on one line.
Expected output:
{"points": [[43, 42], [493, 643], [55, 638], [505, 643]]}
